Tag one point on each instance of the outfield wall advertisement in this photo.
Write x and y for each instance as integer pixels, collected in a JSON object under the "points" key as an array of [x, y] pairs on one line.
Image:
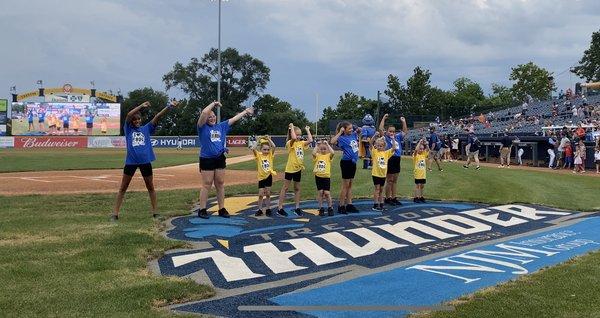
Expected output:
{"points": [[7, 142], [106, 142], [50, 142]]}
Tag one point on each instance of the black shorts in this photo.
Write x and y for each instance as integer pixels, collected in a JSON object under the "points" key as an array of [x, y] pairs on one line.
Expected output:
{"points": [[145, 169], [323, 183], [393, 165], [65, 125], [420, 181], [209, 164], [378, 181], [266, 183], [41, 121], [89, 125], [348, 169], [296, 176]]}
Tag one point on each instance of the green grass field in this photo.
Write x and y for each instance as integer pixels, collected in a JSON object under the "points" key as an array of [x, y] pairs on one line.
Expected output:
{"points": [[60, 256], [16, 160]]}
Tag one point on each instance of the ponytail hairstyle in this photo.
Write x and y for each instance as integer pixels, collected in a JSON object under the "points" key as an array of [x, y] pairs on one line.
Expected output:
{"points": [[344, 124]]}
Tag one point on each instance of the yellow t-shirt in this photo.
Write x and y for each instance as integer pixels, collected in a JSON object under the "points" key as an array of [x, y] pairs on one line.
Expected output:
{"points": [[420, 165], [322, 165], [264, 164], [295, 161], [380, 159]]}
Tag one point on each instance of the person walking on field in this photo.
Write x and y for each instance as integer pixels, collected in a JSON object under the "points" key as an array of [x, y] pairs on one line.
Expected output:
{"points": [[505, 151], [472, 150], [139, 154], [212, 137], [435, 147]]}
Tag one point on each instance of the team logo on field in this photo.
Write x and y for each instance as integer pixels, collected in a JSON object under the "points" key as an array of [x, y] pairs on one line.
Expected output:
{"points": [[261, 260]]}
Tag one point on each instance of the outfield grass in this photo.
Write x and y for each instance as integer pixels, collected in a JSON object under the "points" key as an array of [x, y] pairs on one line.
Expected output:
{"points": [[16, 160], [60, 256]]}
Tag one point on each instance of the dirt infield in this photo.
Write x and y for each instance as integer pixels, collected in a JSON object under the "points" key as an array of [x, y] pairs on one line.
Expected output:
{"points": [[107, 181]]}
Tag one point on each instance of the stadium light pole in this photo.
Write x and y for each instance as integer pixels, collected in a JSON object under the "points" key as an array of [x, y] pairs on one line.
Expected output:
{"points": [[219, 62], [317, 115]]}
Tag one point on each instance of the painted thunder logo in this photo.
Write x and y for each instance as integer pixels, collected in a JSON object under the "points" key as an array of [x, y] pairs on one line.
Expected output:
{"points": [[263, 261]]}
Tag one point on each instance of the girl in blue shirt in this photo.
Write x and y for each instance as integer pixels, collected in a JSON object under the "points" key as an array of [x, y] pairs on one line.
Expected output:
{"points": [[394, 162], [347, 139], [139, 154], [212, 138]]}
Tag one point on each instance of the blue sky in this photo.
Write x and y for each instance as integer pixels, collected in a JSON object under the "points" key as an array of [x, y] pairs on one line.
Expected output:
{"points": [[326, 47]]}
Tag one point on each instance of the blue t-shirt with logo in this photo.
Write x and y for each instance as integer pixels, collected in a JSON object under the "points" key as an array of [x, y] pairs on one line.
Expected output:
{"points": [[41, 116], [65, 119], [30, 117], [89, 119], [349, 146], [212, 139], [388, 143], [139, 145]]}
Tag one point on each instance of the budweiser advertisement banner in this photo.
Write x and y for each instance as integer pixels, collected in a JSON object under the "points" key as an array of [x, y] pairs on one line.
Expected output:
{"points": [[51, 142]]}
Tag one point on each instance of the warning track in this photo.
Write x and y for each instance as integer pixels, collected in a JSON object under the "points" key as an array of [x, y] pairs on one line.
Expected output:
{"points": [[108, 181]]}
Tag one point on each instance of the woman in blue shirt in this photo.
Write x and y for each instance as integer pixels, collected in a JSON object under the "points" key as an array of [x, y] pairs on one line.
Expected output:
{"points": [[347, 139], [212, 138], [139, 154]]}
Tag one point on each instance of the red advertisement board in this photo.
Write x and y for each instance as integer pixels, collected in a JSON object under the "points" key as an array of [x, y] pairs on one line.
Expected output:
{"points": [[50, 142], [237, 141]]}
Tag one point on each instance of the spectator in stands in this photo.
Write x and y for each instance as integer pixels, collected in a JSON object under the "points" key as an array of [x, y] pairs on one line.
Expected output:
{"points": [[524, 108], [505, 150], [454, 149], [472, 149], [552, 145], [568, 156], [575, 112], [579, 157], [580, 131], [561, 150], [597, 159]]}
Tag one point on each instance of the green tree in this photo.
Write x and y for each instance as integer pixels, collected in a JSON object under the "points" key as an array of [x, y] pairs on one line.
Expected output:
{"points": [[243, 76], [396, 94], [467, 96], [530, 79], [272, 116], [349, 107], [501, 97], [418, 90], [589, 65]]}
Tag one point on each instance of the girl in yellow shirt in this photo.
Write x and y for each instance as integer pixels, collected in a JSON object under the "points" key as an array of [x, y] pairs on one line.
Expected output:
{"points": [[264, 152], [419, 159], [295, 164], [322, 155], [379, 159]]}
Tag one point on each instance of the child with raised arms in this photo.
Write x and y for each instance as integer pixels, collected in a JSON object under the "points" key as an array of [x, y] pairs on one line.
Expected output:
{"points": [[379, 158], [139, 154], [294, 166], [420, 156], [347, 139], [264, 152], [322, 155]]}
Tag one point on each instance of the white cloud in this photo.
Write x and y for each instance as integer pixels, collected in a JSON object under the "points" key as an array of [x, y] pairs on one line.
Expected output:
{"points": [[326, 46]]}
